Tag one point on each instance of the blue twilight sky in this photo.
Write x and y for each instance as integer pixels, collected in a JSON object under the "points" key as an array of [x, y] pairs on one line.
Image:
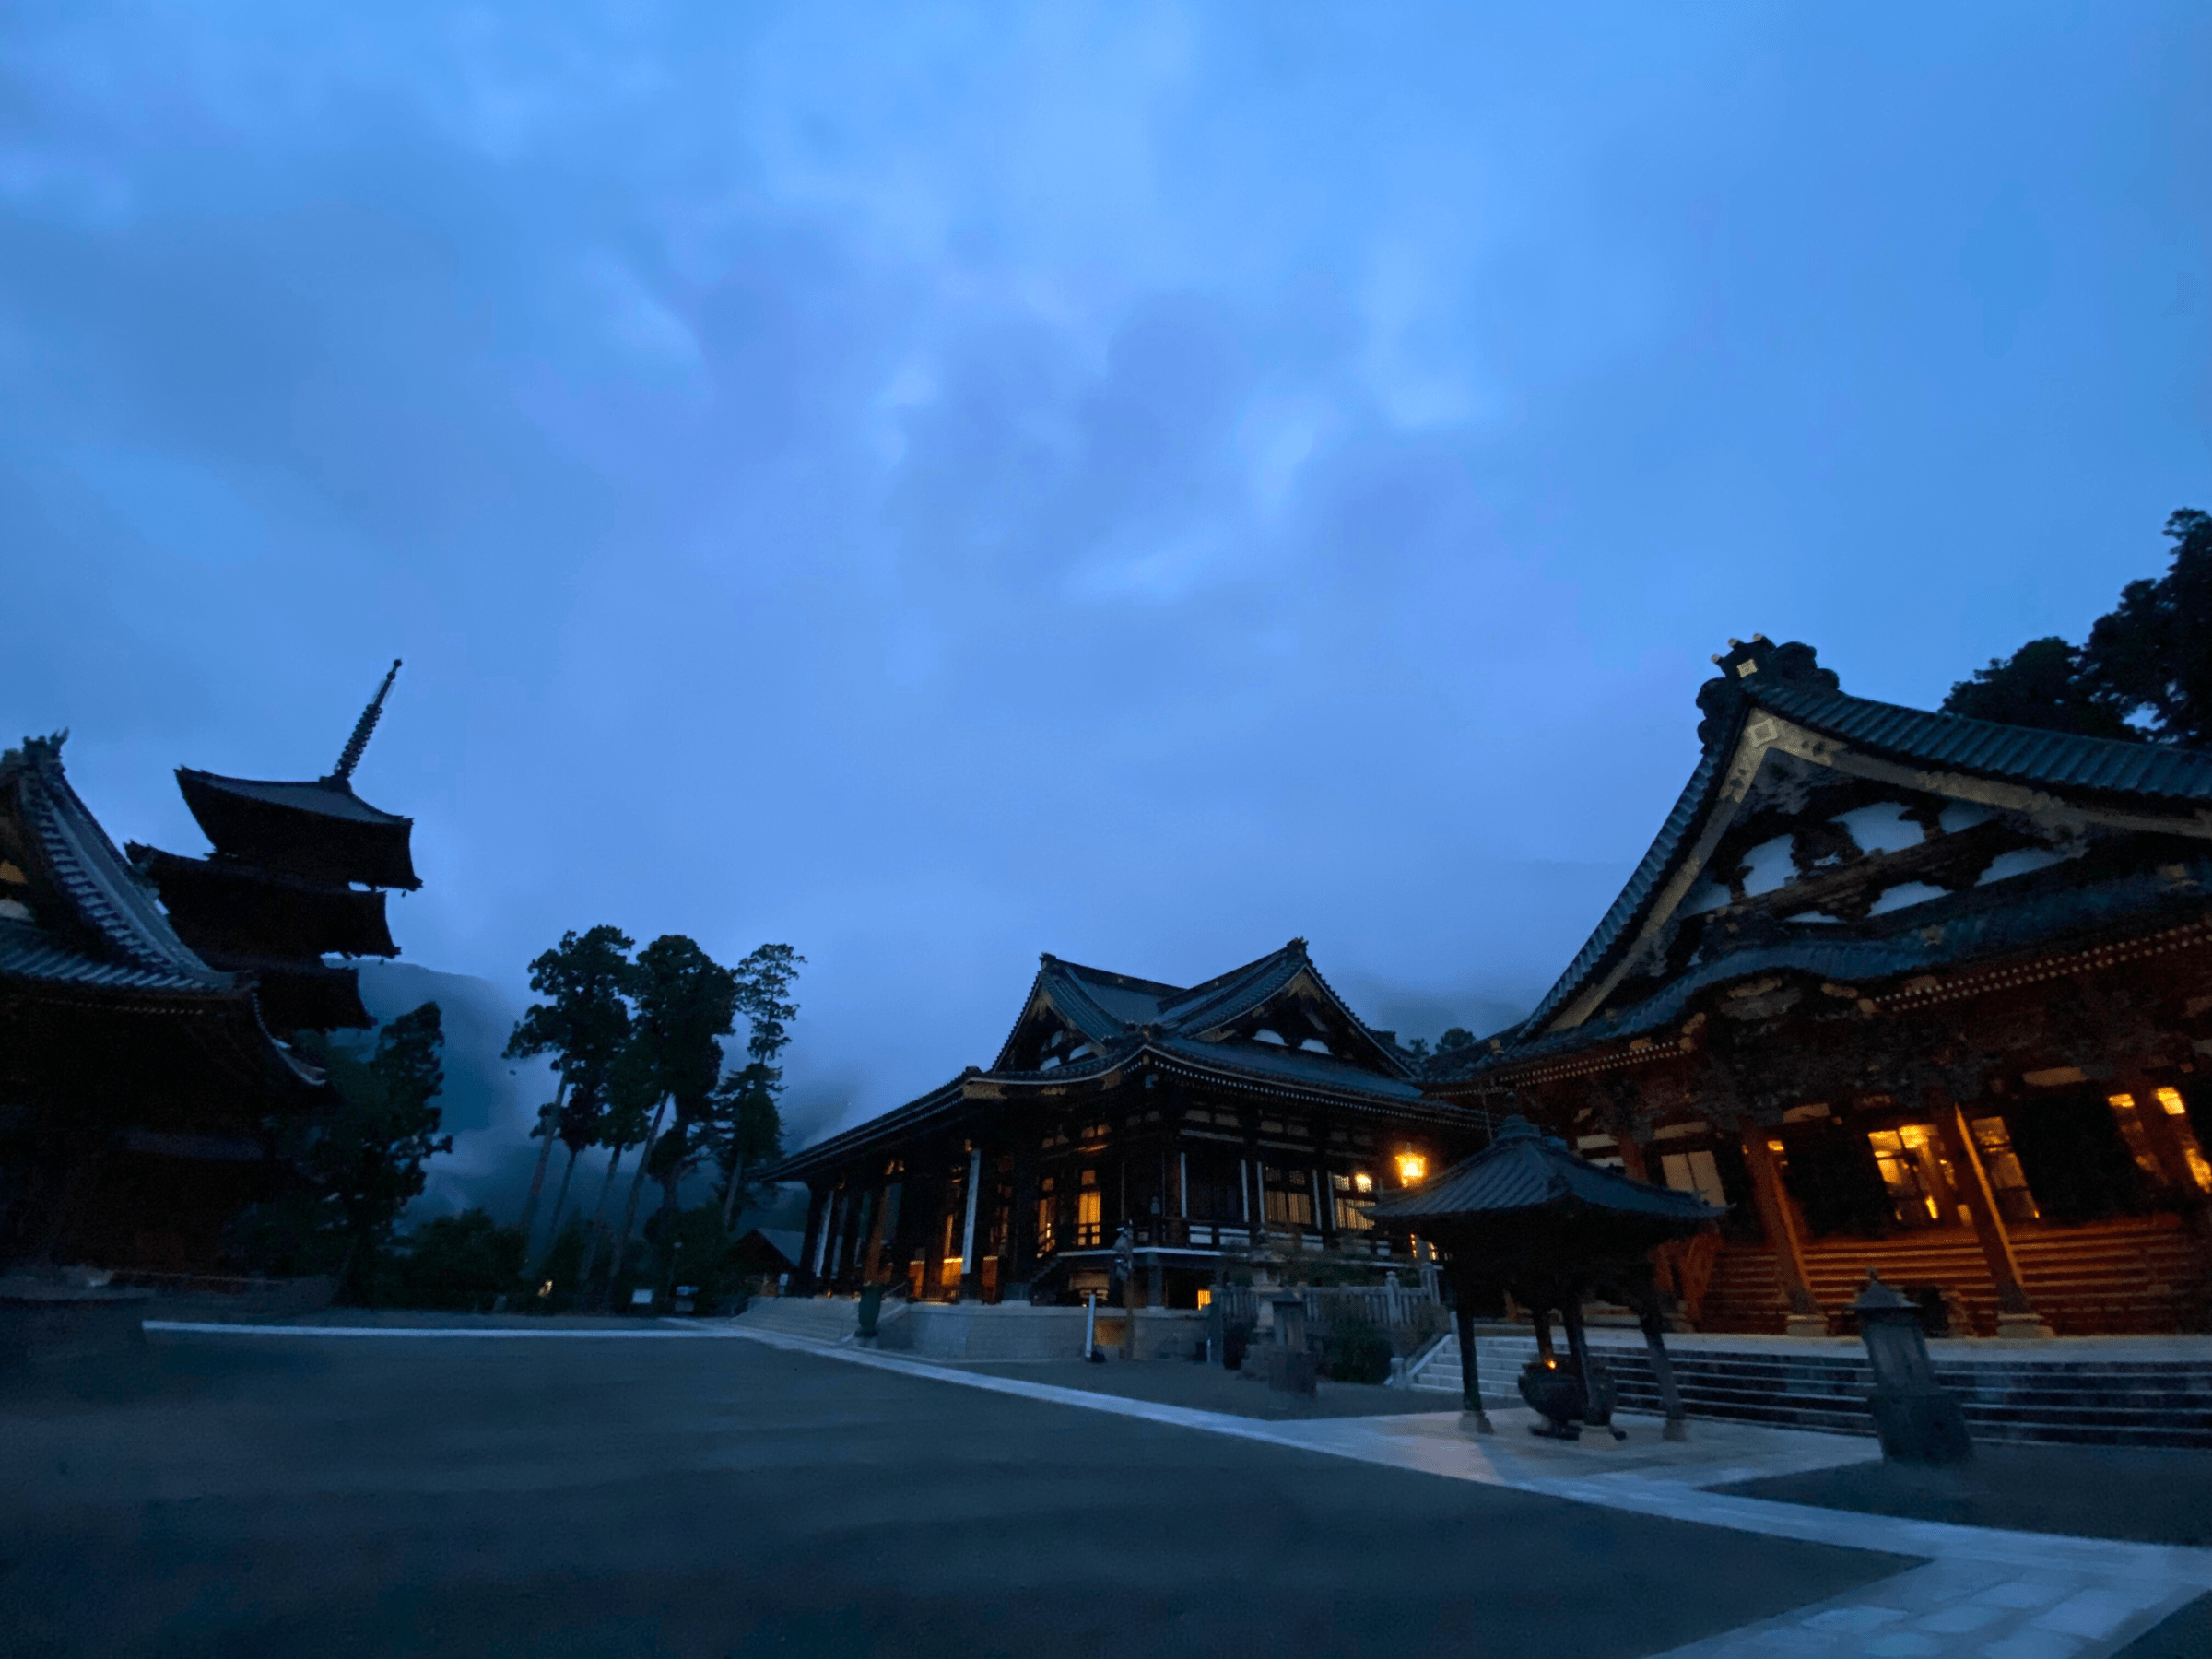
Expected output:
{"points": [[933, 485]]}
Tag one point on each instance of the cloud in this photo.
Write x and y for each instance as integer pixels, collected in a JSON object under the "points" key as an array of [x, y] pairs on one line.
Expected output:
{"points": [[1135, 481]]}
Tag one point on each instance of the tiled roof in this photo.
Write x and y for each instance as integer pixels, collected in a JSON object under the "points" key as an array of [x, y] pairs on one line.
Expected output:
{"points": [[1126, 1018], [2013, 754], [325, 798], [1969, 927], [1523, 1170], [1293, 1066], [28, 952], [120, 937], [2154, 775]]}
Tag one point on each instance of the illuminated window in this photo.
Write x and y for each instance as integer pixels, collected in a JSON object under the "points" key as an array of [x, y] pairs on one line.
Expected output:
{"points": [[2136, 1136], [2008, 1181], [1904, 1174], [1351, 1212], [1205, 1298], [1089, 1210], [1047, 1233], [1694, 1172], [2200, 1168]]}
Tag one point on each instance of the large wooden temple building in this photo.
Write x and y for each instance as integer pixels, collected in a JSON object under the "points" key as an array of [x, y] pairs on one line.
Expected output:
{"points": [[146, 1002], [1253, 1109], [135, 1079], [1901, 989]]}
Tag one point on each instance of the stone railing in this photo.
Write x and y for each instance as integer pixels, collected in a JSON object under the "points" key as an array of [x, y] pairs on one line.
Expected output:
{"points": [[1390, 1305]]}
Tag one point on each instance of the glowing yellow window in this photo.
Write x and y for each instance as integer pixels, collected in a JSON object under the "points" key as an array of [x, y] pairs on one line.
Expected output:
{"points": [[1089, 1213]]}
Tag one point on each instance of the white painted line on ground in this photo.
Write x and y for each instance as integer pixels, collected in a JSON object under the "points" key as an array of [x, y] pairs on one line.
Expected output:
{"points": [[485, 1333]]}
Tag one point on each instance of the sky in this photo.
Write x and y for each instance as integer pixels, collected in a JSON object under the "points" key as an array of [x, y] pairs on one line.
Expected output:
{"points": [[934, 485]]}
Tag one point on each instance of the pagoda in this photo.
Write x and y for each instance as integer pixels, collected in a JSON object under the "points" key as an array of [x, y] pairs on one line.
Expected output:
{"points": [[299, 872]]}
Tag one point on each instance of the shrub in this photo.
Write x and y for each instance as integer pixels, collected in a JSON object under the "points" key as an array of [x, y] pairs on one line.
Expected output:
{"points": [[1354, 1350], [1236, 1338], [460, 1262]]}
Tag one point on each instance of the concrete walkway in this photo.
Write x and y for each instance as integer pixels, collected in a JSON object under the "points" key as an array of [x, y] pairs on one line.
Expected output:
{"points": [[1986, 1592]]}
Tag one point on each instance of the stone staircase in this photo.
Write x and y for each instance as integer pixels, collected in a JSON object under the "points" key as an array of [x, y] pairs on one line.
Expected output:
{"points": [[2113, 1277], [817, 1318], [2078, 1400]]}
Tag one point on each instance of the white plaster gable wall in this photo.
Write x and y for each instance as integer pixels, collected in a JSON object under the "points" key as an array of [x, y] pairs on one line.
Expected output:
{"points": [[1881, 828]]}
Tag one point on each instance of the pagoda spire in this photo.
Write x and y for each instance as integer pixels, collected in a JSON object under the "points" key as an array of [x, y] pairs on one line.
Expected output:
{"points": [[351, 756]]}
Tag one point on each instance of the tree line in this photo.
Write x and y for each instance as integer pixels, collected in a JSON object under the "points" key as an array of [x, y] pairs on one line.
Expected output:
{"points": [[636, 1046], [2143, 675], [635, 1043]]}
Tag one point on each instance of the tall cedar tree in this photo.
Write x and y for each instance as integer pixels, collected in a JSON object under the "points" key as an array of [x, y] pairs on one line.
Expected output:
{"points": [[684, 1000], [366, 1149], [747, 1124], [2144, 673], [632, 1089], [583, 1025]]}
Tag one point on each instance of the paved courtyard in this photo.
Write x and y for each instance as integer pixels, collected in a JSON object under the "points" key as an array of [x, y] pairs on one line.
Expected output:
{"points": [[674, 1490]]}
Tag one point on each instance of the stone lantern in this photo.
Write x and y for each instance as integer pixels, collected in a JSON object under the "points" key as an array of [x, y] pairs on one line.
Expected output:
{"points": [[1918, 1420]]}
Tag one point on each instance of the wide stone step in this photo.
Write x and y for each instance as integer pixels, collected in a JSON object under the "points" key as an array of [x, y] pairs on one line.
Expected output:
{"points": [[2138, 1403]]}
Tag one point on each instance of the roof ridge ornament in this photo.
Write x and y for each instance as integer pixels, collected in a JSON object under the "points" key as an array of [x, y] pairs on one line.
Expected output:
{"points": [[1722, 697], [350, 757]]}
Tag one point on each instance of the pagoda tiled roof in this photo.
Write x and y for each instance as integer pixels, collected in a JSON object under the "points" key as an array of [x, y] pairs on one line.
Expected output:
{"points": [[323, 797], [319, 830], [2111, 770]]}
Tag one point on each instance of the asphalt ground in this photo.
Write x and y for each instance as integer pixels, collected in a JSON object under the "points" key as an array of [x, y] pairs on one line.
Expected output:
{"points": [[278, 1494]]}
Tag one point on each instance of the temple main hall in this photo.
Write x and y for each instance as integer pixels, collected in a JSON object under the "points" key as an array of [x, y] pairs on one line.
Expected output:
{"points": [[1903, 990], [1252, 1110]]}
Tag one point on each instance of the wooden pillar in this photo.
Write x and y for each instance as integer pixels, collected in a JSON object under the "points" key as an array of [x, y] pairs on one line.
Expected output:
{"points": [[2159, 1130], [1255, 1186], [1779, 1216], [808, 1278], [971, 1284], [913, 1210], [852, 1231], [2015, 1315], [1022, 1236], [1665, 1264], [872, 1268]]}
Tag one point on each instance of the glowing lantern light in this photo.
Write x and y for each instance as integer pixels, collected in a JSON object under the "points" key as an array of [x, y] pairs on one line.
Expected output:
{"points": [[1412, 1166]]}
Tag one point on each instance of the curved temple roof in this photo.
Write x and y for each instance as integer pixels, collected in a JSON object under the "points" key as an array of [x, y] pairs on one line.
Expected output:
{"points": [[110, 932], [322, 830], [1763, 679], [1123, 1020]]}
